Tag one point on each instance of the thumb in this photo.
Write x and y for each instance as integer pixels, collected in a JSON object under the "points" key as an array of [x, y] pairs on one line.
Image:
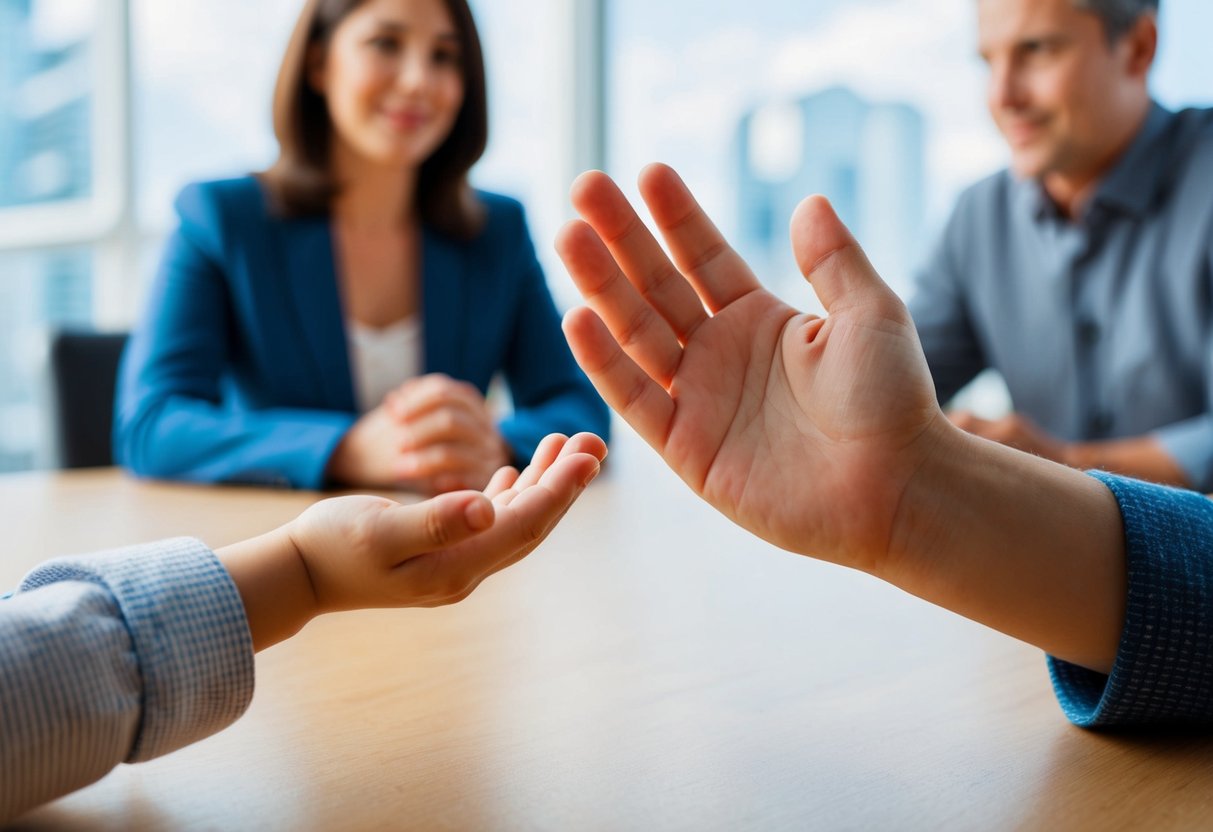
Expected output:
{"points": [[830, 257], [439, 523]]}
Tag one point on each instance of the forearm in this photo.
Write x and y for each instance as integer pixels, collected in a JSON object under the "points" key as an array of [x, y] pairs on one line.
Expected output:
{"points": [[176, 437], [1143, 457], [1028, 547], [274, 585], [121, 656]]}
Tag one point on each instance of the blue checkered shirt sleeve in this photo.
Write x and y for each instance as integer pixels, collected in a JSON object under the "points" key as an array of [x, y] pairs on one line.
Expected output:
{"points": [[116, 657], [1163, 672]]}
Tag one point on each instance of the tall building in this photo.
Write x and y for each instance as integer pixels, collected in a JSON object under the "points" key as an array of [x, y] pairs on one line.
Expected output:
{"points": [[867, 158], [45, 156], [44, 114]]}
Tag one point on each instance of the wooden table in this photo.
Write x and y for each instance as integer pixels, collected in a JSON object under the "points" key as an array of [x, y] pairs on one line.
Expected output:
{"points": [[650, 667]]}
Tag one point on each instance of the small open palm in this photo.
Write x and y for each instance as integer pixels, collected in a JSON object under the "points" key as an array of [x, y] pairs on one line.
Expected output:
{"points": [[365, 551], [802, 429]]}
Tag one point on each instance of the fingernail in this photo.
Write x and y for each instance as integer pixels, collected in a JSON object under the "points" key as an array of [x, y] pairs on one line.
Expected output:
{"points": [[479, 514]]}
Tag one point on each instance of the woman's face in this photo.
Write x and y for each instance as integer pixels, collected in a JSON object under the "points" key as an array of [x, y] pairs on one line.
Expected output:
{"points": [[392, 77]]}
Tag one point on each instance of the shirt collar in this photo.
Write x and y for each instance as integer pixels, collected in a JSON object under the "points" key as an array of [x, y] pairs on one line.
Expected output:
{"points": [[1136, 178], [1130, 186]]}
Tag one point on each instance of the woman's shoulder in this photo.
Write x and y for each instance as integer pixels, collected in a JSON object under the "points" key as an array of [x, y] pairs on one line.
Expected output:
{"points": [[504, 219], [222, 203]]}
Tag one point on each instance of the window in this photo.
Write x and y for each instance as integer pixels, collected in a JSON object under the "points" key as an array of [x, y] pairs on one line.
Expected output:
{"points": [[879, 104], [59, 193], [109, 107]]}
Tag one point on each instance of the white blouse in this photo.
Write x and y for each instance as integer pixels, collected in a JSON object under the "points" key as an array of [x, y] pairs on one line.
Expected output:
{"points": [[381, 359]]}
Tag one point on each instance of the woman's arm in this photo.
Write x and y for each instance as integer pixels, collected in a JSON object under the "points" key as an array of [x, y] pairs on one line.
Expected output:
{"points": [[172, 416]]}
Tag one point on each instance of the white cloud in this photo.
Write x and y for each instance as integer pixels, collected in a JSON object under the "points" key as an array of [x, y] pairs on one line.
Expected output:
{"points": [[687, 98]]}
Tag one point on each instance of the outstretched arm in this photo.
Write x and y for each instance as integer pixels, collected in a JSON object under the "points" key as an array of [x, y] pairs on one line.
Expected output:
{"points": [[129, 655], [823, 435], [349, 553]]}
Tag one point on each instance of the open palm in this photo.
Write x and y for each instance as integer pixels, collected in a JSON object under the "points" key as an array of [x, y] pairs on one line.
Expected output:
{"points": [[802, 429]]}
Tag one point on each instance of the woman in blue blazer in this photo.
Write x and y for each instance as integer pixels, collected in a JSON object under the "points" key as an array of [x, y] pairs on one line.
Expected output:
{"points": [[338, 318]]}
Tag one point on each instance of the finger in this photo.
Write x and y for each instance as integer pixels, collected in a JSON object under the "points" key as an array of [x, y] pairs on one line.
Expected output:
{"points": [[503, 479], [550, 449], [532, 515], [419, 396], [642, 402], [832, 260], [577, 472], [442, 424], [586, 443], [600, 202], [405, 531], [435, 460], [717, 272], [545, 454], [645, 335], [535, 510], [450, 573]]}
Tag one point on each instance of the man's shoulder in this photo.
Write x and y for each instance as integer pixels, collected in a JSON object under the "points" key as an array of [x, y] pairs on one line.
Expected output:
{"points": [[982, 208], [1197, 121], [1193, 132], [991, 192]]}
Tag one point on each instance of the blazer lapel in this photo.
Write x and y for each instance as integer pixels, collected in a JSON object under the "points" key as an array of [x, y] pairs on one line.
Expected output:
{"points": [[444, 304], [312, 275]]}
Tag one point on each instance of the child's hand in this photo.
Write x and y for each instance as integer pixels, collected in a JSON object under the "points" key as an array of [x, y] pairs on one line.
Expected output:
{"points": [[373, 552], [349, 553]]}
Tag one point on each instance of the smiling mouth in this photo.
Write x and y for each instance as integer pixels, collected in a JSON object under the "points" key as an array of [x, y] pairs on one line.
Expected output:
{"points": [[406, 120], [1022, 132]]}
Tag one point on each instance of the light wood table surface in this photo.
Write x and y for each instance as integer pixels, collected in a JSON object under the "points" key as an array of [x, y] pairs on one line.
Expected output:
{"points": [[650, 667]]}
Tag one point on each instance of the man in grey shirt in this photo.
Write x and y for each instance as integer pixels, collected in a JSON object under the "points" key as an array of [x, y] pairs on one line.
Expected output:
{"points": [[1084, 274]]}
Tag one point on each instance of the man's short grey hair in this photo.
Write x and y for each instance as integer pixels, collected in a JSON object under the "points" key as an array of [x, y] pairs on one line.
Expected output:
{"points": [[1118, 16]]}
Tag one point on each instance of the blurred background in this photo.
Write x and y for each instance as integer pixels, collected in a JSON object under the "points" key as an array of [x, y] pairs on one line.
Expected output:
{"points": [[108, 107]]}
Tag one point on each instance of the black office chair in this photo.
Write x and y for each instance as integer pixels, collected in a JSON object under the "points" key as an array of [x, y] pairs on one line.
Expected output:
{"points": [[84, 370]]}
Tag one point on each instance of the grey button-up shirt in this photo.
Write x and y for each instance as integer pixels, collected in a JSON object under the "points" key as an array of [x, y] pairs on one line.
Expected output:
{"points": [[1102, 327]]}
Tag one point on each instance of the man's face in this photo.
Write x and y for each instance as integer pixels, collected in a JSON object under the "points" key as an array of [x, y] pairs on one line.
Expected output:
{"points": [[1056, 85]]}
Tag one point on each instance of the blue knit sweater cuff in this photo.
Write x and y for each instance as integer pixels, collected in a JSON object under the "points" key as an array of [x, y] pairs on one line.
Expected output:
{"points": [[1163, 672]]}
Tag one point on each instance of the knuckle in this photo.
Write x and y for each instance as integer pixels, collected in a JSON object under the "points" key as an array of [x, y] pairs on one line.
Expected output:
{"points": [[436, 530]]}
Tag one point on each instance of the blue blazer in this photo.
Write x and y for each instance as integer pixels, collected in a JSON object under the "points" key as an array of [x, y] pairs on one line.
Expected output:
{"points": [[239, 370]]}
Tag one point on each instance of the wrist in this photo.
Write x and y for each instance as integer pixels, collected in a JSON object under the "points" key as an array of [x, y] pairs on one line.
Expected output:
{"points": [[1024, 545], [274, 584]]}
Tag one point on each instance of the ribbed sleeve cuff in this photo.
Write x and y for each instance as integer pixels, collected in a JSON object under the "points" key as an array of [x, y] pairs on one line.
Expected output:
{"points": [[189, 632], [1163, 672]]}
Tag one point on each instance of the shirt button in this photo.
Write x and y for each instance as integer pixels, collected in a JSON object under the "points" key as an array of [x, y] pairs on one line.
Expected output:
{"points": [[1088, 332]]}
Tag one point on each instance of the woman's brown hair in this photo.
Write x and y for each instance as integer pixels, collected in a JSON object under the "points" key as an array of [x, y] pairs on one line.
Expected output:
{"points": [[301, 181]]}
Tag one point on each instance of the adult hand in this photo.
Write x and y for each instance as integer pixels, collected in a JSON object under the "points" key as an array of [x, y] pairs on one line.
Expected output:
{"points": [[823, 436], [804, 430], [348, 553], [370, 453], [1014, 431], [450, 440]]}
